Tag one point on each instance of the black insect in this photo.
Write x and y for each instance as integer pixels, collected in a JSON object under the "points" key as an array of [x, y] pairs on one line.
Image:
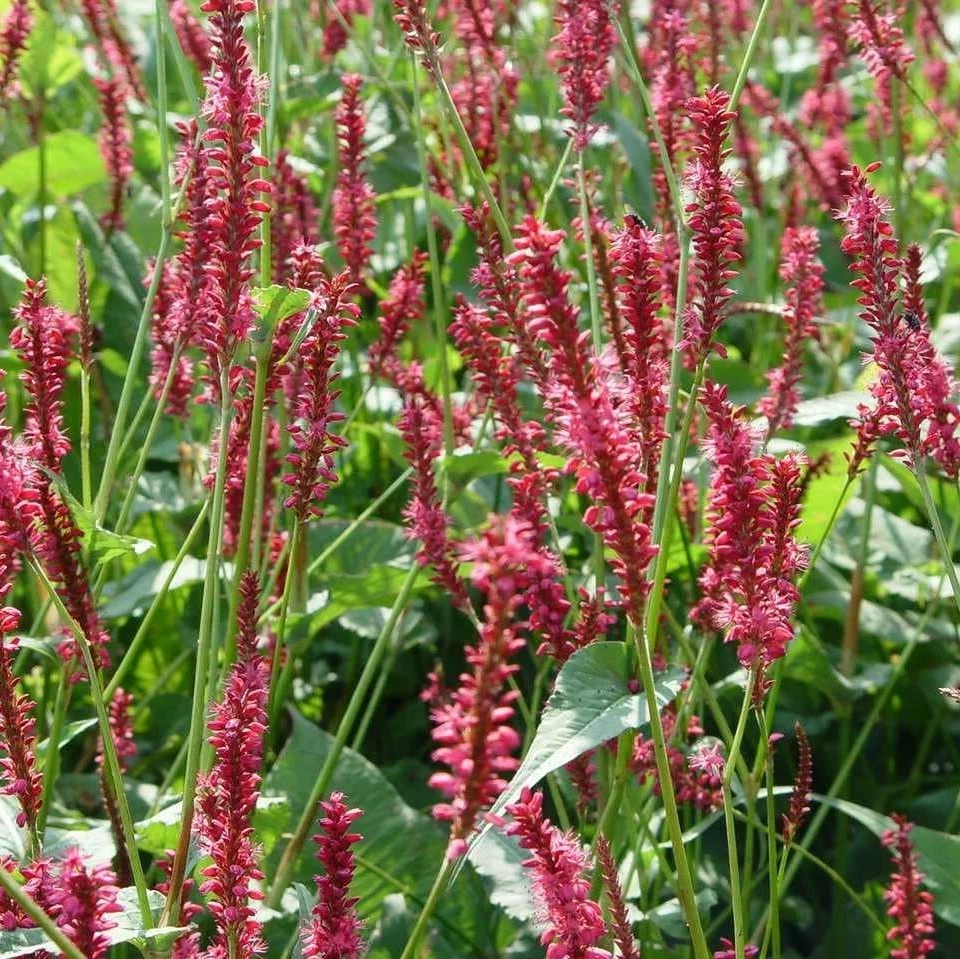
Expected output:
{"points": [[911, 319], [634, 220]]}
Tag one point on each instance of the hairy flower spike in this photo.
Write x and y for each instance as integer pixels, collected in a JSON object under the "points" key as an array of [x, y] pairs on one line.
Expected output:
{"points": [[354, 210], [115, 140], [799, 809], [802, 268], [414, 20], [21, 776], [914, 391], [42, 339], [402, 306], [477, 742], [333, 931], [619, 919], [226, 799], [715, 223], [908, 905], [233, 213], [753, 509], [586, 40], [312, 472], [574, 923], [82, 900], [14, 33]]}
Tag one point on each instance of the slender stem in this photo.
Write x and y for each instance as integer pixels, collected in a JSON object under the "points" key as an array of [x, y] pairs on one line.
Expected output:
{"points": [[436, 280], [113, 773], [772, 855], [275, 694], [143, 631], [357, 701], [748, 54], [33, 909], [945, 550], [555, 179], [851, 626], [42, 176], [201, 678], [433, 899], [51, 763], [251, 483], [737, 903]]}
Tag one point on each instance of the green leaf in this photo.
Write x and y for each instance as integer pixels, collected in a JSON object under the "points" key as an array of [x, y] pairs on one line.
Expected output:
{"points": [[466, 467], [117, 265], [591, 704], [132, 594], [379, 586], [400, 850], [73, 164], [51, 59], [275, 303]]}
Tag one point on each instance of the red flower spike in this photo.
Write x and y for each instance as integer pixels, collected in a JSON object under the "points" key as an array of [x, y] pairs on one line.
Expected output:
{"points": [[116, 147], [472, 727], [233, 213], [802, 268], [584, 44], [103, 19], [729, 952], [333, 931], [414, 21], [914, 392], [426, 519], [81, 901], [574, 922], [22, 778], [716, 224], [14, 33], [121, 729], [312, 472], [42, 340], [799, 809], [193, 38], [619, 920], [403, 306], [226, 799], [293, 223], [334, 33], [353, 202], [753, 509], [908, 905]]}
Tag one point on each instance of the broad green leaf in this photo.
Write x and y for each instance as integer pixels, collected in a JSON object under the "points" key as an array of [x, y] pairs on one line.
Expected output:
{"points": [[828, 409], [825, 489], [400, 850], [119, 267], [70, 732], [73, 164], [636, 146], [51, 59], [592, 703], [379, 586], [132, 594]]}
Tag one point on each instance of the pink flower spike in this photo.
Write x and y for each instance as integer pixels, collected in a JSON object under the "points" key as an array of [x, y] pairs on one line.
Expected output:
{"points": [[353, 202], [715, 222], [908, 905], [584, 45], [574, 922], [115, 140], [82, 900], [333, 931], [16, 28]]}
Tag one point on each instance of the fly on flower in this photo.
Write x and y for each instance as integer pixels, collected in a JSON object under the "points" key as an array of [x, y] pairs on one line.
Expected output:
{"points": [[911, 319], [634, 219]]}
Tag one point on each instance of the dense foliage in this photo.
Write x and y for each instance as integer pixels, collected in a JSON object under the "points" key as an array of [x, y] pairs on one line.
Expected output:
{"points": [[504, 452]]}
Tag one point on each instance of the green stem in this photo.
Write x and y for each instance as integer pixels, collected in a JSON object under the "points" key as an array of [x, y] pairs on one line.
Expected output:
{"points": [[436, 280], [51, 763], [251, 483], [555, 179], [357, 701], [433, 898], [113, 773], [737, 903], [748, 54], [772, 855], [33, 909], [143, 631], [945, 550], [276, 696], [201, 680]]}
